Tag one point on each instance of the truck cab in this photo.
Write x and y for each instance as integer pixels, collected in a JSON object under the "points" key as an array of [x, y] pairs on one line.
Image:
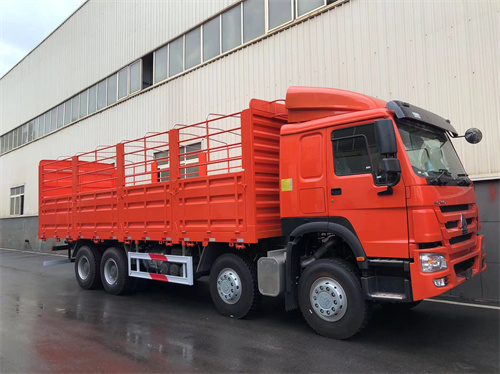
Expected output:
{"points": [[382, 180]]}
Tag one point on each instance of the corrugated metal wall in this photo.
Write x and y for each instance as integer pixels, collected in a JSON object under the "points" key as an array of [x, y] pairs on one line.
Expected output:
{"points": [[100, 38], [439, 55]]}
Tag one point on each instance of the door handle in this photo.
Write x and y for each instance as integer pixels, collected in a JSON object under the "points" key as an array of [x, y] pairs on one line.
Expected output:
{"points": [[336, 191]]}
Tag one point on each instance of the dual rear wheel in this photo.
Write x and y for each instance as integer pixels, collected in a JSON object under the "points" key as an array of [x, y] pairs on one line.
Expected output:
{"points": [[233, 286], [94, 269]]}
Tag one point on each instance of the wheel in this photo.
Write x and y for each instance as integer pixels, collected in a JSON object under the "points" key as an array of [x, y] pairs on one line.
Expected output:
{"points": [[400, 307], [87, 264], [233, 286], [114, 272], [331, 299]]}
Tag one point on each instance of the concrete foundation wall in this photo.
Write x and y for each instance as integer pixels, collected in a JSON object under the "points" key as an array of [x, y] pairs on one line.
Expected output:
{"points": [[21, 233]]}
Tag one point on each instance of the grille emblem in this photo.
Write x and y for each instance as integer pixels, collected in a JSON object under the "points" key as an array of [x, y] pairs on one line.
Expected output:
{"points": [[463, 224]]}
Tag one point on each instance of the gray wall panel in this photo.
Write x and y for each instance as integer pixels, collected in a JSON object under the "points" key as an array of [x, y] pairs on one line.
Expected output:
{"points": [[491, 282], [488, 200]]}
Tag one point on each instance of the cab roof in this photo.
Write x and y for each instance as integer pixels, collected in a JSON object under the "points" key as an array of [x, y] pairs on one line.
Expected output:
{"points": [[309, 103]]}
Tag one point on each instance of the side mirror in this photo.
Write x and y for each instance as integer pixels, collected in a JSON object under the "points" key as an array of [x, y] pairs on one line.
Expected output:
{"points": [[393, 169], [473, 135], [386, 138]]}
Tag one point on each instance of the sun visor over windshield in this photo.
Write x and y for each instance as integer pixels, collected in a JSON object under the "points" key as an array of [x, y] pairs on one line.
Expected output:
{"points": [[408, 111]]}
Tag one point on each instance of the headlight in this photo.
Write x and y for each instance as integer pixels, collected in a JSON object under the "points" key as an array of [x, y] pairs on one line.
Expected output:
{"points": [[431, 262]]}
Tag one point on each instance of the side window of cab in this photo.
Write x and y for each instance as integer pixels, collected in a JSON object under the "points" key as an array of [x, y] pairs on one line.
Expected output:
{"points": [[355, 151]]}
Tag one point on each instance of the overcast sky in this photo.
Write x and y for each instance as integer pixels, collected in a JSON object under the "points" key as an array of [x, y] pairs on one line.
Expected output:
{"points": [[25, 23]]}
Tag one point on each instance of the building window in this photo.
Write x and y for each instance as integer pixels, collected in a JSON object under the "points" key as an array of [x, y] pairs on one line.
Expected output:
{"points": [[31, 132], [231, 28], [135, 76], [83, 103], [147, 70], [17, 201], [75, 107], [193, 48], [306, 6], [101, 94], [60, 116], [67, 112], [211, 39], [112, 89], [24, 132], [175, 57], [253, 19], [280, 12], [92, 99], [161, 72], [122, 83], [189, 154], [162, 163], [36, 128], [53, 119], [47, 123]]}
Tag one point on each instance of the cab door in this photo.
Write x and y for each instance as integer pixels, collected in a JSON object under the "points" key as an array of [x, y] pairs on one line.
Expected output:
{"points": [[358, 192]]}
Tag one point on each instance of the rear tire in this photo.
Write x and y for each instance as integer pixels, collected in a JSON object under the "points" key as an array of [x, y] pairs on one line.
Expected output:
{"points": [[233, 286], [87, 267], [331, 299], [114, 272]]}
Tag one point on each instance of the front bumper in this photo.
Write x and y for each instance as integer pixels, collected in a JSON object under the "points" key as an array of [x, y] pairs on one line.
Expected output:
{"points": [[460, 268]]}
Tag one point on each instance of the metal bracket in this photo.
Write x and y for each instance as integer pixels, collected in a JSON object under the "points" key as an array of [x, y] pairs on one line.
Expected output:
{"points": [[186, 261]]}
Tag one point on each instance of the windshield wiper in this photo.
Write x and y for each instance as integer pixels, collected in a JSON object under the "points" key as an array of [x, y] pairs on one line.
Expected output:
{"points": [[437, 180], [464, 181]]}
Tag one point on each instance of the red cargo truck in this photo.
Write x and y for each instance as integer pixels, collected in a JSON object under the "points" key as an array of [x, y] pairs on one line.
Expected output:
{"points": [[335, 199]]}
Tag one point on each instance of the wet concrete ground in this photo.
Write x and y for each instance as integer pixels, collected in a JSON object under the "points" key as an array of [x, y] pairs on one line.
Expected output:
{"points": [[49, 324]]}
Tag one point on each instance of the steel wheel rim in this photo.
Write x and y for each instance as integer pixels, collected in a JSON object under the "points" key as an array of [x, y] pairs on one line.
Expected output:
{"points": [[110, 271], [328, 299], [83, 267], [229, 286]]}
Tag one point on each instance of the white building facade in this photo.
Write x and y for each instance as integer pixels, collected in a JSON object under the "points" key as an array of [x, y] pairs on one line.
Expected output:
{"points": [[116, 70]]}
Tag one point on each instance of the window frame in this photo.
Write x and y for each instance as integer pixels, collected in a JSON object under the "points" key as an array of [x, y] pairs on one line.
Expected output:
{"points": [[139, 61], [296, 10], [292, 16], [375, 170], [219, 18], [14, 195], [167, 50]]}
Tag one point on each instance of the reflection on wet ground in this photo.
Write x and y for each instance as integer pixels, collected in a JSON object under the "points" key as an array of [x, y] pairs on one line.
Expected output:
{"points": [[49, 324]]}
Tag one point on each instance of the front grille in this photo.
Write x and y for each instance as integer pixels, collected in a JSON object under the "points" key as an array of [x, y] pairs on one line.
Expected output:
{"points": [[464, 266], [454, 208], [429, 245], [459, 239], [454, 224]]}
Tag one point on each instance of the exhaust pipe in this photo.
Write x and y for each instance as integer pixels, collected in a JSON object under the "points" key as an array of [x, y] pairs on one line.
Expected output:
{"points": [[320, 252]]}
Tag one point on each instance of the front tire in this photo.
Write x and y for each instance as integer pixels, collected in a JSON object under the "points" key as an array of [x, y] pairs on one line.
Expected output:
{"points": [[233, 286], [114, 272], [87, 267], [331, 299]]}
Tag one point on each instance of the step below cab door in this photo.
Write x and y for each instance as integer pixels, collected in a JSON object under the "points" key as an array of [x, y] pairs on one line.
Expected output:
{"points": [[358, 191]]}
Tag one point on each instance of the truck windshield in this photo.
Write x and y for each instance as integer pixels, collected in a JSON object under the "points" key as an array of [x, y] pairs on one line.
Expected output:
{"points": [[431, 154]]}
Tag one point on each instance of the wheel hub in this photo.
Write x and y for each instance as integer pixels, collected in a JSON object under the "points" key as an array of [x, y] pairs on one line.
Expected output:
{"points": [[229, 286], [83, 267], [328, 299], [110, 271]]}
